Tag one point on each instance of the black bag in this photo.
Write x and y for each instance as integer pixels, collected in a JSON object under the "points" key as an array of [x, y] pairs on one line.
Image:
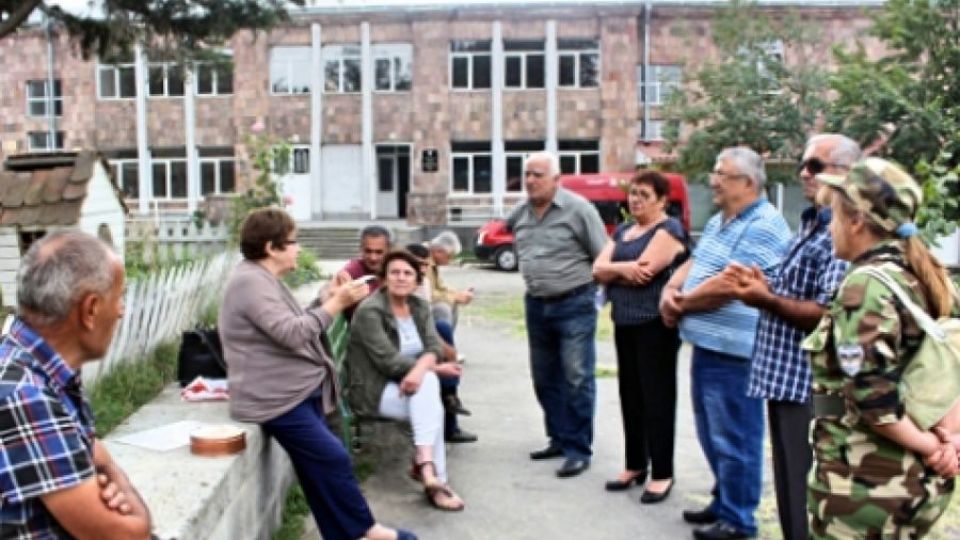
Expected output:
{"points": [[201, 355]]}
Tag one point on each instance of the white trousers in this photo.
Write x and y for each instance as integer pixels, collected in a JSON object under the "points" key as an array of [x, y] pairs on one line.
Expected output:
{"points": [[425, 412]]}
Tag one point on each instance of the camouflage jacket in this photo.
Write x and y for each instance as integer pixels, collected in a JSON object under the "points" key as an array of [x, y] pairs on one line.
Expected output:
{"points": [[858, 352]]}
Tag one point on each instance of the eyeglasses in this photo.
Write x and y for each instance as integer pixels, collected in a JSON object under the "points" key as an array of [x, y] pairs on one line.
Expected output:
{"points": [[816, 166]]}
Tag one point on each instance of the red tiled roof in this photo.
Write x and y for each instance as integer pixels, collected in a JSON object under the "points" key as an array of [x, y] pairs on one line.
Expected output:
{"points": [[47, 189]]}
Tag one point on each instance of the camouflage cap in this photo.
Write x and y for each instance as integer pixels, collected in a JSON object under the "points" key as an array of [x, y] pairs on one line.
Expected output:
{"points": [[882, 190]]}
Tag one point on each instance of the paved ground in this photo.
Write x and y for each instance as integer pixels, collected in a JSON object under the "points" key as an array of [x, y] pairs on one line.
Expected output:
{"points": [[508, 496]]}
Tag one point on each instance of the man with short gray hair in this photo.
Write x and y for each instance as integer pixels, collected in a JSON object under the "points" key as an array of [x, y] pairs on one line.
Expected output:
{"points": [[791, 304], [57, 479], [558, 236], [750, 231], [445, 299]]}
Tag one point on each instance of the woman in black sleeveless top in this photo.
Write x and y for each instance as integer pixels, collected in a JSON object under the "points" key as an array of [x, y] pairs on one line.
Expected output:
{"points": [[635, 265]]}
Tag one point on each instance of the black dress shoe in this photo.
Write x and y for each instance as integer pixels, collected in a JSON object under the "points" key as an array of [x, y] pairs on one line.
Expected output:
{"points": [[547, 453], [719, 531], [653, 497], [461, 436], [699, 517], [619, 485], [572, 467]]}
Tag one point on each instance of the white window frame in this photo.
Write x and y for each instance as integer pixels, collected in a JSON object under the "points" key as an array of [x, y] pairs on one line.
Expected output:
{"points": [[578, 155], [300, 62], [400, 56], [167, 163], [118, 164], [166, 67], [775, 49], [58, 143], [654, 131], [115, 69], [217, 179], [655, 84], [471, 156], [341, 54], [31, 99], [575, 53], [523, 55], [469, 56], [214, 78]]}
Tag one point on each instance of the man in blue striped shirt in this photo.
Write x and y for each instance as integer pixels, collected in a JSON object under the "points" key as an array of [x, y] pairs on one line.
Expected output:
{"points": [[750, 231], [791, 305]]}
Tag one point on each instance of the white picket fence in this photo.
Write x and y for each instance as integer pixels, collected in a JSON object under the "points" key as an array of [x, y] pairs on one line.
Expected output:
{"points": [[161, 306], [176, 238]]}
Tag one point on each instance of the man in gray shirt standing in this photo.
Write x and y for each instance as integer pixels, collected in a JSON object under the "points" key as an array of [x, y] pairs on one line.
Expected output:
{"points": [[558, 235]]}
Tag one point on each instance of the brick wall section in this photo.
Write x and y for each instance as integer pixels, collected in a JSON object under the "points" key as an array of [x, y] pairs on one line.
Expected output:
{"points": [[431, 110], [524, 115], [618, 93]]}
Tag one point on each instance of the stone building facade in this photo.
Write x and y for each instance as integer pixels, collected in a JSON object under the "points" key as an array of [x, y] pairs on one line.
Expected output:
{"points": [[424, 114]]}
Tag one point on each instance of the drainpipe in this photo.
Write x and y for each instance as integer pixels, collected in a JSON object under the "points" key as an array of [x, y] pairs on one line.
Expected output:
{"points": [[647, 8], [51, 114]]}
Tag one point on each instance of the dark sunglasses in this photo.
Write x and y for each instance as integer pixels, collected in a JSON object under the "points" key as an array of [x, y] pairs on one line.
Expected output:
{"points": [[816, 166]]}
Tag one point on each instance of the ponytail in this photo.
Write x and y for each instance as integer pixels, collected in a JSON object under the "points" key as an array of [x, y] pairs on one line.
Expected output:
{"points": [[932, 275]]}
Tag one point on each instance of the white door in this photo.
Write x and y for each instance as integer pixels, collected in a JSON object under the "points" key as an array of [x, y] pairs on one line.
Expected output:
{"points": [[393, 180], [342, 179], [295, 185]]}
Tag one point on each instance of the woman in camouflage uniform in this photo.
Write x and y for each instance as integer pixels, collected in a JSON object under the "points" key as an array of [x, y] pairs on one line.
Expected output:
{"points": [[870, 480]]}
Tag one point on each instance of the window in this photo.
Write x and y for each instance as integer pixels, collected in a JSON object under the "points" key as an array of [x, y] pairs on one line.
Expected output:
{"points": [[472, 167], [579, 62], [579, 156], [127, 174], [37, 95], [516, 153], [654, 131], [116, 81], [341, 68], [214, 79], [290, 70], [41, 141], [165, 79], [661, 82], [771, 57], [217, 175], [301, 160], [393, 67], [470, 65], [169, 178], [523, 64]]}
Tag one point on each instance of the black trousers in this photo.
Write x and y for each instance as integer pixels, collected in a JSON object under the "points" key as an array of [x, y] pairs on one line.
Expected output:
{"points": [[647, 376], [792, 459]]}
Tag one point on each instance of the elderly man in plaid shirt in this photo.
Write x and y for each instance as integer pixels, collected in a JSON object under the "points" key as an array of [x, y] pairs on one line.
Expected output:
{"points": [[791, 304], [56, 479]]}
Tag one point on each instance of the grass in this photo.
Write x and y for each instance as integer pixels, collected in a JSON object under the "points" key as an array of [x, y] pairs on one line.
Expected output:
{"points": [[509, 310], [131, 385], [295, 510]]}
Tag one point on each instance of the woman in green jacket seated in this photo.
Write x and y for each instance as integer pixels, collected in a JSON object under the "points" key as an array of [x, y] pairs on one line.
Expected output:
{"points": [[392, 369]]}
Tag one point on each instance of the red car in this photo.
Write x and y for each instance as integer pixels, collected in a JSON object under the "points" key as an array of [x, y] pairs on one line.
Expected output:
{"points": [[607, 191]]}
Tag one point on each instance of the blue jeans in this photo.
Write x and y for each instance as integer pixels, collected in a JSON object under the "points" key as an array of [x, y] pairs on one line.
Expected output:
{"points": [[324, 469], [730, 430], [562, 361]]}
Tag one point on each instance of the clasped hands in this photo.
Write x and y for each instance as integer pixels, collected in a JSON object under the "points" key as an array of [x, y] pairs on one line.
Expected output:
{"points": [[747, 284], [945, 460]]}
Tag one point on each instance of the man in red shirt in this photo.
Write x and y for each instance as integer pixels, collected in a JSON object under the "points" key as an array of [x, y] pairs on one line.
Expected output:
{"points": [[374, 245]]}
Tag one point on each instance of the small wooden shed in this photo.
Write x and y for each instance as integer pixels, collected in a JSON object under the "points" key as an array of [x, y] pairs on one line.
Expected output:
{"points": [[41, 193]]}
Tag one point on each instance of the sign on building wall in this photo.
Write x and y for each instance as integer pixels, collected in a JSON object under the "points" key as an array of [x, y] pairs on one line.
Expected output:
{"points": [[430, 160]]}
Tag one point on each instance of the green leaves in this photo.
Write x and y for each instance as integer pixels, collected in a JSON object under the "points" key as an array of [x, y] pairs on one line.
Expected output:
{"points": [[749, 95]]}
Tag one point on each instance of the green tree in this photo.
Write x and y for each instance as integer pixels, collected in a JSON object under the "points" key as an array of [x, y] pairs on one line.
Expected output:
{"points": [[269, 157], [748, 95], [910, 97], [179, 28]]}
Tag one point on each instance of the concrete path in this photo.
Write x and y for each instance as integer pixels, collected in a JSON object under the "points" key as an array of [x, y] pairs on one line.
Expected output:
{"points": [[508, 496]]}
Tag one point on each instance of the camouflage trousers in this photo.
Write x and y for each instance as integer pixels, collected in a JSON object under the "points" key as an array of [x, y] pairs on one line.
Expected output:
{"points": [[843, 517]]}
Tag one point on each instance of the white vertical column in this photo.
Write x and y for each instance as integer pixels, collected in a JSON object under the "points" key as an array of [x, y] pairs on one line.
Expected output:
{"points": [[144, 170], [316, 120], [496, 119], [190, 138], [366, 131], [553, 78]]}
